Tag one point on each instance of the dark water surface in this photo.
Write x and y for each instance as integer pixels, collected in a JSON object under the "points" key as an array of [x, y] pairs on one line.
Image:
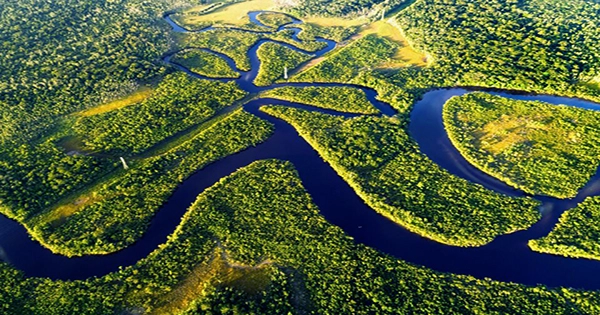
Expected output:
{"points": [[506, 259]]}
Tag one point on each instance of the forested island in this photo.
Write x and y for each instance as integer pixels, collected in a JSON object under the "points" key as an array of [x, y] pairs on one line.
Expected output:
{"points": [[203, 151]]}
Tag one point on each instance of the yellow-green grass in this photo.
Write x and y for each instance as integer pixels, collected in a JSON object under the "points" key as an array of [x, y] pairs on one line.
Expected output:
{"points": [[406, 55], [80, 199], [218, 270], [334, 21], [171, 143], [534, 146], [235, 14], [593, 84], [133, 98], [69, 208], [507, 131], [75, 202], [199, 9], [274, 19]]}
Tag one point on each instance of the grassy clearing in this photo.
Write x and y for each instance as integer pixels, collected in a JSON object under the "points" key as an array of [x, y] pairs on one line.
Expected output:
{"points": [[274, 19], [178, 103], [35, 176], [79, 200], [217, 271], [57, 216], [346, 63], [537, 147], [335, 21], [593, 84], [133, 98], [207, 8], [235, 14], [405, 54]]}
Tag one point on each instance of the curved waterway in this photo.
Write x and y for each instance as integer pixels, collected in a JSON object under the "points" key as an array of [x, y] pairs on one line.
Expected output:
{"points": [[506, 259]]}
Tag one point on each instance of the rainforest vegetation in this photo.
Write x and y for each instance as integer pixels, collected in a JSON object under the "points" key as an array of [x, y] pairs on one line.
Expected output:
{"points": [[179, 102], [35, 176], [576, 234], [58, 58], [537, 147], [61, 56], [235, 43], [275, 60], [85, 83], [529, 45], [342, 66], [115, 212], [205, 63], [339, 98], [336, 33], [274, 19], [378, 159], [347, 8], [226, 14], [245, 255]]}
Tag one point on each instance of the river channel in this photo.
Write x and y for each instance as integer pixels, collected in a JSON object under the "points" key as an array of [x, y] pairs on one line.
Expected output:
{"points": [[508, 258]]}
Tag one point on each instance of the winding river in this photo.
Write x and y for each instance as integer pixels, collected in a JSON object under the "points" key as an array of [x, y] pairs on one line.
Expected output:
{"points": [[507, 258]]}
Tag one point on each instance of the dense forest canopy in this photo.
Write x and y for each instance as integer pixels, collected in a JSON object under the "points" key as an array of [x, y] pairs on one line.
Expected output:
{"points": [[346, 8], [534, 44], [60, 56], [255, 241], [576, 234]]}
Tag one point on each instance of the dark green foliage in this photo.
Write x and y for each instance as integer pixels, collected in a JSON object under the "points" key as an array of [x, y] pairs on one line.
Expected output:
{"points": [[274, 19], [205, 63], [346, 8], [34, 176], [403, 87], [236, 43], [274, 58], [62, 56], [345, 64], [378, 159], [537, 147], [233, 43], [13, 290], [178, 103], [227, 299], [124, 204], [343, 99], [577, 234], [547, 45], [74, 55], [335, 33]]}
